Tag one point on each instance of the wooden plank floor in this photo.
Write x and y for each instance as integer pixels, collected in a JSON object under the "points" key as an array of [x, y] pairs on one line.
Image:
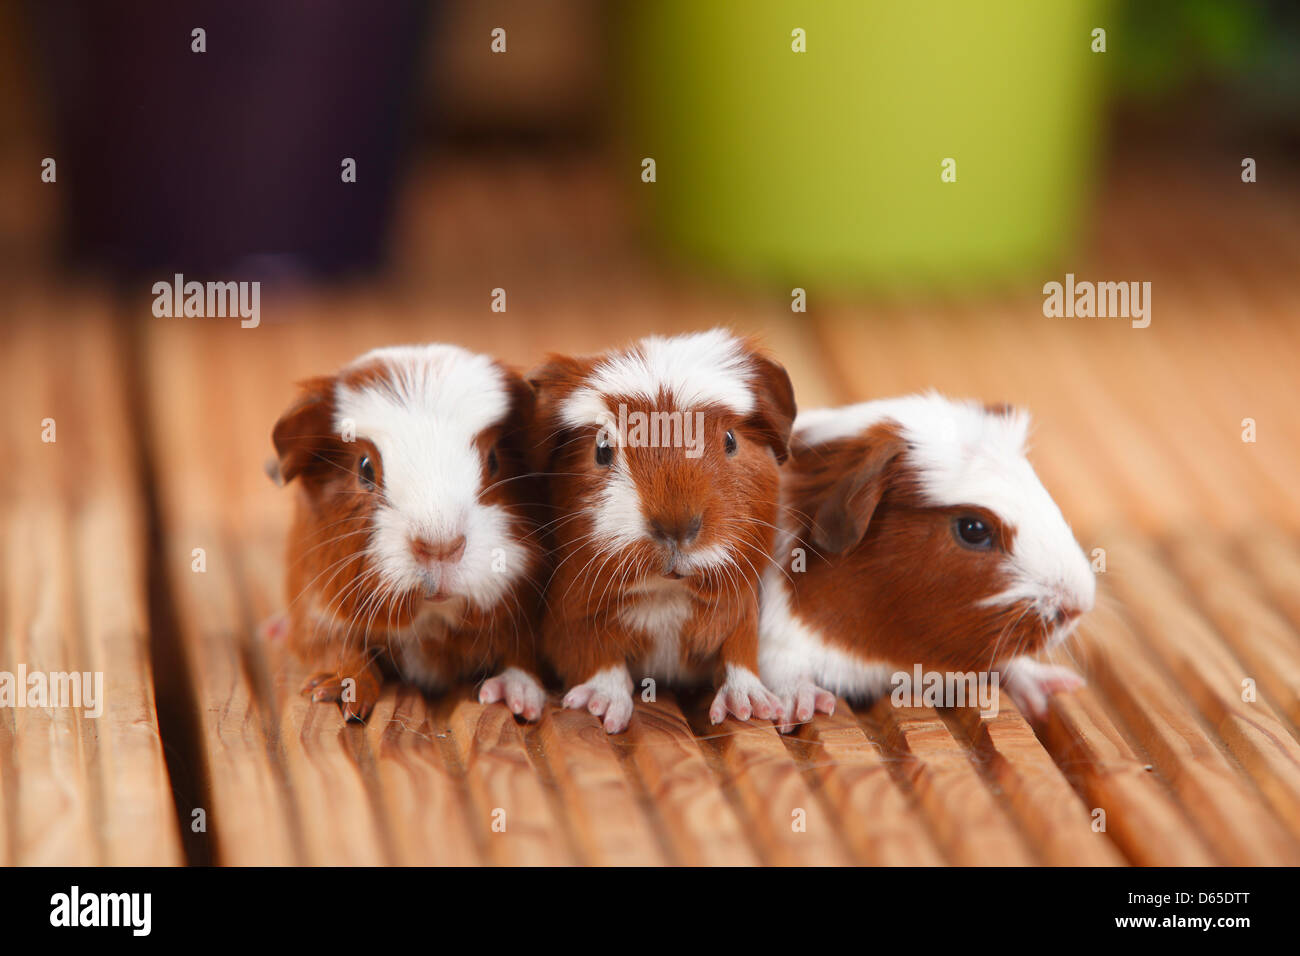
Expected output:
{"points": [[76, 788], [1164, 758]]}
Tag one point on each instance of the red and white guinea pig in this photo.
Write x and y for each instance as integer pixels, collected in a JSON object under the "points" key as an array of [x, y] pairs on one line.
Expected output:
{"points": [[413, 549], [928, 540], [662, 465]]}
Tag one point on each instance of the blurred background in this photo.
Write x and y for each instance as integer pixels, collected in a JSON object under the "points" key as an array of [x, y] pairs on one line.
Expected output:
{"points": [[821, 166], [879, 189]]}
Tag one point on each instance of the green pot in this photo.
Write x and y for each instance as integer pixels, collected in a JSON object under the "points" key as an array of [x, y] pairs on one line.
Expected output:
{"points": [[825, 166]]}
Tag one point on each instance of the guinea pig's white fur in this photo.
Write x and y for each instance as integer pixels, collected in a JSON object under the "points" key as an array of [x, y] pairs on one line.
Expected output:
{"points": [[967, 455], [423, 416], [700, 368]]}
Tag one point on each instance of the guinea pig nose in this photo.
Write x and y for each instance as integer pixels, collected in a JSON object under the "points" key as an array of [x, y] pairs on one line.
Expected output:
{"points": [[680, 530], [427, 551]]}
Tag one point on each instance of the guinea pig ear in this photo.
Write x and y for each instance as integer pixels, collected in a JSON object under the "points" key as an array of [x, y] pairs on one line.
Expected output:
{"points": [[550, 382], [773, 419], [305, 430], [557, 375], [523, 400], [517, 433], [844, 514]]}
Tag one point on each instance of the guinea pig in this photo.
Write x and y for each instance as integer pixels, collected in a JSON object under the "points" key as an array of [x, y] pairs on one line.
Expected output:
{"points": [[917, 534], [662, 461], [413, 547]]}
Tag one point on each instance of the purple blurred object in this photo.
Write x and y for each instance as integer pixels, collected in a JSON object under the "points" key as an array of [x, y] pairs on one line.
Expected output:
{"points": [[221, 161]]}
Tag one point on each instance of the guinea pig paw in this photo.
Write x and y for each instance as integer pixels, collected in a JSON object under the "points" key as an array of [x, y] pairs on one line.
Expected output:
{"points": [[1030, 684], [742, 695], [800, 703], [356, 694], [605, 699], [518, 690]]}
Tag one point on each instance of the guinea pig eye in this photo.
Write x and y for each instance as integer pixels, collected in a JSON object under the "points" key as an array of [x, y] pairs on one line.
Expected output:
{"points": [[492, 463], [366, 471], [604, 451], [731, 445], [973, 533]]}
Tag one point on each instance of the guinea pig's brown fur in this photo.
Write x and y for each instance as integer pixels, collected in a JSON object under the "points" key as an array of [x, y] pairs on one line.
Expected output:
{"points": [[432, 615], [877, 575], [872, 532], [658, 553]]}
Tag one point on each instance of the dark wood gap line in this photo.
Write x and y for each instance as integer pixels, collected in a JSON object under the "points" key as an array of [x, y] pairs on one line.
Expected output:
{"points": [[175, 697], [641, 792], [540, 763], [438, 711]]}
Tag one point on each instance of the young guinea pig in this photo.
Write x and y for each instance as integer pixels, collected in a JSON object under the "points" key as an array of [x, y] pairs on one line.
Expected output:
{"points": [[929, 540], [413, 550], [662, 465]]}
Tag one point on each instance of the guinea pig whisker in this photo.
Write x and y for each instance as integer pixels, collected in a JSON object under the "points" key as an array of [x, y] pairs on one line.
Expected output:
{"points": [[564, 520], [1011, 631], [1020, 639], [614, 583], [753, 569], [601, 549], [610, 552], [758, 547], [334, 540], [337, 602], [801, 519], [361, 623], [555, 524], [336, 567], [1007, 629], [761, 548], [728, 575], [576, 544], [326, 459], [355, 587], [352, 517], [631, 566], [575, 547], [505, 481]]}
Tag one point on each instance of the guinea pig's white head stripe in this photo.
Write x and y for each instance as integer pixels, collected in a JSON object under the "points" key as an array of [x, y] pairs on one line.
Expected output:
{"points": [[444, 383], [423, 407], [965, 454], [693, 370], [616, 517]]}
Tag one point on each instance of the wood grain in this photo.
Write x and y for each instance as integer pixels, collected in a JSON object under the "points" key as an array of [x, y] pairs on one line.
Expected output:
{"points": [[702, 828], [965, 818], [1138, 436], [76, 788], [872, 811], [1048, 812]]}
